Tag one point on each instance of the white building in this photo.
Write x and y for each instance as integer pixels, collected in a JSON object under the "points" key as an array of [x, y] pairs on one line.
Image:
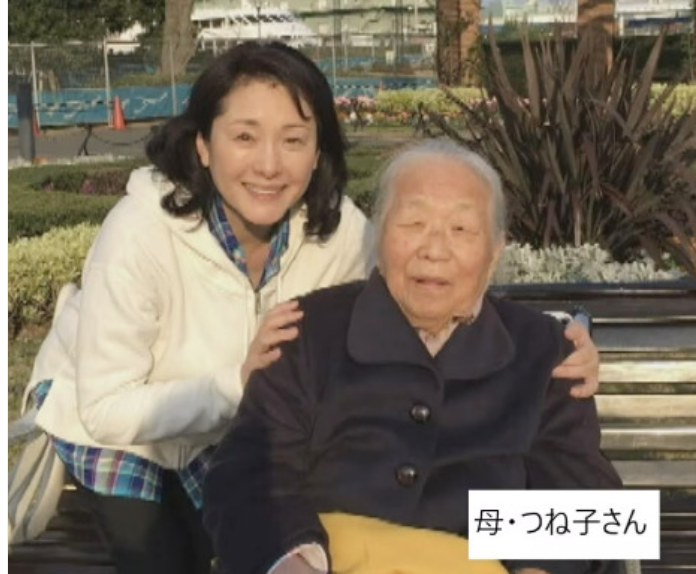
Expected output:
{"points": [[634, 17], [218, 25]]}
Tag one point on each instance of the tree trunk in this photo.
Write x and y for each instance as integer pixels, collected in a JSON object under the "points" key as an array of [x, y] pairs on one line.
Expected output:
{"points": [[458, 24], [179, 38], [596, 17], [692, 43]]}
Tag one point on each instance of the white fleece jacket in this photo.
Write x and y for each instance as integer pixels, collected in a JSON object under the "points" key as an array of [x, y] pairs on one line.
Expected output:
{"points": [[147, 356]]}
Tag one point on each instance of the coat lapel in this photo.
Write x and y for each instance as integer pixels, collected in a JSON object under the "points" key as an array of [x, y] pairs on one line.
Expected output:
{"points": [[378, 330], [476, 350]]}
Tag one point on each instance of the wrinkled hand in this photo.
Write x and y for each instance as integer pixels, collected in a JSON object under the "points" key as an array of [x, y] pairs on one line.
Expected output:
{"points": [[583, 363], [278, 326], [294, 565]]}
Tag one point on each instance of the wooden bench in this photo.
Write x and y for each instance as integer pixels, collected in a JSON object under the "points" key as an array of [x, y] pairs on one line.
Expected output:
{"points": [[647, 403], [647, 399]]}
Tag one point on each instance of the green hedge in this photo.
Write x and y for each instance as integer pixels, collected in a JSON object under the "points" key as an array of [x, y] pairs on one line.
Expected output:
{"points": [[41, 198], [405, 102], [400, 105], [38, 267]]}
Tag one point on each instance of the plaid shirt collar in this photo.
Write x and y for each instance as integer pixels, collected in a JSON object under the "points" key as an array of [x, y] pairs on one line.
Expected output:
{"points": [[222, 231]]}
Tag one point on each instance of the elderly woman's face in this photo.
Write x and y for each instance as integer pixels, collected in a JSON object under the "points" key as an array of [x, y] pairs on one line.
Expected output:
{"points": [[436, 252]]}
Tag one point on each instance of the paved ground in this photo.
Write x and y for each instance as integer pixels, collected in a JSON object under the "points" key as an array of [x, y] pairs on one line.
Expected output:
{"points": [[67, 142]]}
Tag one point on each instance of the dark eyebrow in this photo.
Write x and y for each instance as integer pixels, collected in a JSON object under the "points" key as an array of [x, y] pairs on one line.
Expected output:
{"points": [[255, 123]]}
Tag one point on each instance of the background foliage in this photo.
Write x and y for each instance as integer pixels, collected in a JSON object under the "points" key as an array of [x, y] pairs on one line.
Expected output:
{"points": [[60, 20], [402, 103], [50, 21], [37, 268], [675, 64], [588, 158], [43, 197]]}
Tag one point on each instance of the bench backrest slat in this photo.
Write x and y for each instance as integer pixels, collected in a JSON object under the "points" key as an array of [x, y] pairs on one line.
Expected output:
{"points": [[638, 338], [675, 406], [657, 473], [650, 371], [674, 438]]}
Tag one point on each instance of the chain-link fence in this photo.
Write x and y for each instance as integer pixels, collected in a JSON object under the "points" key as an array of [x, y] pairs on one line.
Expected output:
{"points": [[57, 72], [78, 83]]}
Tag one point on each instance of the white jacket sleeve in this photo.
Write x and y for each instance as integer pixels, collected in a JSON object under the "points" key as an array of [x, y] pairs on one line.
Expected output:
{"points": [[118, 402]]}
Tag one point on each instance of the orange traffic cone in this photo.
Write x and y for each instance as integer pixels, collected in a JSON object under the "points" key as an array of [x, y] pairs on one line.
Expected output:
{"points": [[117, 121]]}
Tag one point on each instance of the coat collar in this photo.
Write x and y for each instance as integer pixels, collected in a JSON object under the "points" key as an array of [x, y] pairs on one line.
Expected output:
{"points": [[379, 333]]}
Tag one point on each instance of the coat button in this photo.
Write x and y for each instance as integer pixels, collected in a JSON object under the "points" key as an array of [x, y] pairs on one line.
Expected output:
{"points": [[406, 475], [420, 413]]}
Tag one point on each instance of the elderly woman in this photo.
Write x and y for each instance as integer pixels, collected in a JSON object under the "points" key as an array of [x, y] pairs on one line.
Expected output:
{"points": [[355, 452]]}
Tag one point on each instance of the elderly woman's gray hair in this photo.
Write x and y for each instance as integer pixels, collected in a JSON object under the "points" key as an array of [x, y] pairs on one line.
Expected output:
{"points": [[447, 148]]}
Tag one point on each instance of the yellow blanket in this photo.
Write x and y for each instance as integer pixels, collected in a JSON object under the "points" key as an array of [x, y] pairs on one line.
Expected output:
{"points": [[361, 545]]}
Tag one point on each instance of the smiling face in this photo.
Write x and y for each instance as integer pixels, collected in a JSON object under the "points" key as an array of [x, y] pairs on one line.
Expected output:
{"points": [[437, 251], [261, 154]]}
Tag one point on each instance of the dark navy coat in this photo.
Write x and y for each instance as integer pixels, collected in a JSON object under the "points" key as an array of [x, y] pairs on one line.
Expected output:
{"points": [[358, 417]]}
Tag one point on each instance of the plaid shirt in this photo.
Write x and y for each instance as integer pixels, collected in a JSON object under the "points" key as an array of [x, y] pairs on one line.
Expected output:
{"points": [[221, 229], [119, 473]]}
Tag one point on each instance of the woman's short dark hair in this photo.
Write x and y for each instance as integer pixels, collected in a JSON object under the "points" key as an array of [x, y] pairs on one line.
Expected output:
{"points": [[172, 148]]}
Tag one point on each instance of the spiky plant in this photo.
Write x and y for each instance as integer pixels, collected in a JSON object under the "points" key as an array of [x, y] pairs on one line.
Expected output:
{"points": [[588, 157]]}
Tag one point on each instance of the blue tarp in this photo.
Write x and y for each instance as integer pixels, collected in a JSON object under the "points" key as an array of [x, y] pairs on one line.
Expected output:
{"points": [[74, 107]]}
